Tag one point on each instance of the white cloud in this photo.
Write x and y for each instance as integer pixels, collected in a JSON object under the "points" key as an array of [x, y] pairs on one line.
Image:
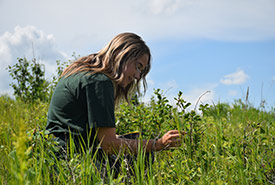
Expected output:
{"points": [[239, 77], [27, 42], [164, 6], [273, 78], [101, 20], [213, 19]]}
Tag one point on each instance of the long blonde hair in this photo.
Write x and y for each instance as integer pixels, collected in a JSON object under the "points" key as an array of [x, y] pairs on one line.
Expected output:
{"points": [[111, 61]]}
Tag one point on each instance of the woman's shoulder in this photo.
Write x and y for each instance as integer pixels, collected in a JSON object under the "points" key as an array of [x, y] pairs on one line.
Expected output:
{"points": [[95, 77], [101, 77], [88, 78]]}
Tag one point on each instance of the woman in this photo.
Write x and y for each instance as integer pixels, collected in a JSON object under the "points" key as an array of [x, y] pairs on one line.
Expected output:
{"points": [[82, 106]]}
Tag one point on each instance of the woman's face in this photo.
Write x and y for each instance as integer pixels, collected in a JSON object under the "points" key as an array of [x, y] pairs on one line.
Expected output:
{"points": [[133, 70]]}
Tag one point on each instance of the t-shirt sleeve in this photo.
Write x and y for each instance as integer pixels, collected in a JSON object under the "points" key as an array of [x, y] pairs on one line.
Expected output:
{"points": [[100, 104]]}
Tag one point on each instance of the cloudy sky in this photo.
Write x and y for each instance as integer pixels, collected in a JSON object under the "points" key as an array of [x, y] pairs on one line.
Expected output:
{"points": [[221, 46]]}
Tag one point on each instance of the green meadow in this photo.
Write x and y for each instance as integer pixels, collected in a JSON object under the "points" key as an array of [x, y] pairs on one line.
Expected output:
{"points": [[223, 144]]}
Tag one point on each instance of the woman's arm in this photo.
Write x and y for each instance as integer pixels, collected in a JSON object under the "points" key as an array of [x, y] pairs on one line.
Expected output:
{"points": [[110, 143]]}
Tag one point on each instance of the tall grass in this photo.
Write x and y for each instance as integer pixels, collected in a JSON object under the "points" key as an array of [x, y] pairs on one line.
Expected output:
{"points": [[224, 145]]}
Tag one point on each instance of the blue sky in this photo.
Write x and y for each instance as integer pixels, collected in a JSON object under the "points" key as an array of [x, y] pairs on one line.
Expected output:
{"points": [[221, 46], [227, 69]]}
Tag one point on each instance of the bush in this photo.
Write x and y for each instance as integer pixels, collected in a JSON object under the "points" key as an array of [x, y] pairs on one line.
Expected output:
{"points": [[30, 80]]}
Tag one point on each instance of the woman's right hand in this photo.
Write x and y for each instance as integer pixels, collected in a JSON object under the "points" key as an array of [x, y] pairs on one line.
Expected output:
{"points": [[168, 140]]}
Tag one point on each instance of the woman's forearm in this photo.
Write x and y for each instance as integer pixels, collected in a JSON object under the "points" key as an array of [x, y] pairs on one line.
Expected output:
{"points": [[133, 145], [112, 144]]}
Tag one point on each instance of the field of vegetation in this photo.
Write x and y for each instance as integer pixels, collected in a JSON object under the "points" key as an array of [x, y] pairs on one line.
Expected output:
{"points": [[223, 144]]}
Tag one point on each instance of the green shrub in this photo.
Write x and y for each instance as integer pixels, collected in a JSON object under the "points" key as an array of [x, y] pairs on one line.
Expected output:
{"points": [[30, 80], [225, 144]]}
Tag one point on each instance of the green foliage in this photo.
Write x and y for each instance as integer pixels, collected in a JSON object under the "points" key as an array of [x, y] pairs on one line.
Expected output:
{"points": [[30, 83], [222, 145], [158, 114], [30, 80]]}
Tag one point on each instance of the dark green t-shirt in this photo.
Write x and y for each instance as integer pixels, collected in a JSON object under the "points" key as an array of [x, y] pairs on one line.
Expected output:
{"points": [[81, 103]]}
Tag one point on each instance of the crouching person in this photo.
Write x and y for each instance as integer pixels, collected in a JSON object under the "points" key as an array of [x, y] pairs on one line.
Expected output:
{"points": [[83, 103]]}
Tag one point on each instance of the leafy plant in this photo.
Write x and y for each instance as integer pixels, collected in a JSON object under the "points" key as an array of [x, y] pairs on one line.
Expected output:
{"points": [[225, 144], [30, 80]]}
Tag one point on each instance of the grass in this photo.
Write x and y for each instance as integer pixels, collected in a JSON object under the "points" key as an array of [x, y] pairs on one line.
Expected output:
{"points": [[224, 145]]}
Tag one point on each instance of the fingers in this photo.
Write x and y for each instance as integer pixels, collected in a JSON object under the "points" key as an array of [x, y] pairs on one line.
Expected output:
{"points": [[172, 144], [173, 132], [177, 132], [173, 138]]}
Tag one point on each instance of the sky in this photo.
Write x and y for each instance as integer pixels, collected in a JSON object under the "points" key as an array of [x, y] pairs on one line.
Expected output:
{"points": [[211, 50]]}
